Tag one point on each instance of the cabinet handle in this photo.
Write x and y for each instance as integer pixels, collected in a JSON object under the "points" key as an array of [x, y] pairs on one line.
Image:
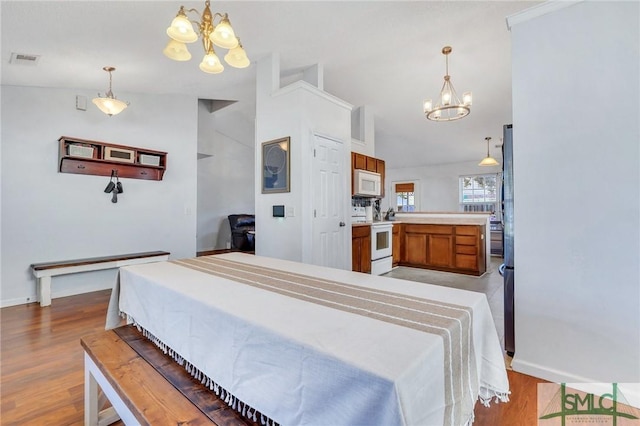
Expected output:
{"points": [[80, 166], [342, 224], [143, 172]]}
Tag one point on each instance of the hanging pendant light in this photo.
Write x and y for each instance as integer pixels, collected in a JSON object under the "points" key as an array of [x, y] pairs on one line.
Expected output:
{"points": [[108, 103], [448, 107], [488, 160]]}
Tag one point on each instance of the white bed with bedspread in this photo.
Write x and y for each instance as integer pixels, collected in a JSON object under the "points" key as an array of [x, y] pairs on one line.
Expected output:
{"points": [[308, 345]]}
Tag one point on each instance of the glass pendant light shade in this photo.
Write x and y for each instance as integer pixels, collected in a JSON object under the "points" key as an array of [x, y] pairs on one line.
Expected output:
{"points": [[427, 105], [108, 103], [237, 57], [446, 97], [110, 106], [467, 98], [177, 51], [223, 35], [211, 64], [488, 160], [181, 29]]}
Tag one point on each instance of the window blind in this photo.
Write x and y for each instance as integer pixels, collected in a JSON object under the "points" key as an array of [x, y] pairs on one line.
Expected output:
{"points": [[404, 187]]}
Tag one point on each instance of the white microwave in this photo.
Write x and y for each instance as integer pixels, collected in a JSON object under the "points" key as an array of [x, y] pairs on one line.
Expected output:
{"points": [[366, 184]]}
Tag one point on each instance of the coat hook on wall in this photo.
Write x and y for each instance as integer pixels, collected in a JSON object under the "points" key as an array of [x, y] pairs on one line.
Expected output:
{"points": [[114, 188]]}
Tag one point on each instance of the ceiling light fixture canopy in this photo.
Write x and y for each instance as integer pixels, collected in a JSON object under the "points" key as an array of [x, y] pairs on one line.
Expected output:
{"points": [[488, 160], [448, 107], [222, 35], [108, 103]]}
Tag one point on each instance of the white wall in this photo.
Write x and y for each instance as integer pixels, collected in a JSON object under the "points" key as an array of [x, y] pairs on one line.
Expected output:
{"points": [[299, 110], [363, 131], [48, 216], [225, 180], [437, 186], [577, 205]]}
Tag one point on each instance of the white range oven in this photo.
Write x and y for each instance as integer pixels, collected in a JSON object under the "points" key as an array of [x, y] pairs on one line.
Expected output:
{"points": [[381, 247]]}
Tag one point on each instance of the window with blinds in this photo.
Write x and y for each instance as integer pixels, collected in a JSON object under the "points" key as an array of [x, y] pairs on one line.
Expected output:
{"points": [[405, 197], [479, 193]]}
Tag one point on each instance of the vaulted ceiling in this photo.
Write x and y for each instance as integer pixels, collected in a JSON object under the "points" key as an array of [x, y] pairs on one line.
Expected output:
{"points": [[382, 54]]}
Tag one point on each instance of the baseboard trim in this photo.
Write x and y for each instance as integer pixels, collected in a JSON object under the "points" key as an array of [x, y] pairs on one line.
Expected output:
{"points": [[543, 372], [25, 300], [631, 391]]}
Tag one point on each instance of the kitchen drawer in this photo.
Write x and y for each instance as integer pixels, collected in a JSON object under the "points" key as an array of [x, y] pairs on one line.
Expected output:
{"points": [[466, 230], [466, 249], [360, 231], [466, 240], [125, 170], [466, 261], [428, 229]]}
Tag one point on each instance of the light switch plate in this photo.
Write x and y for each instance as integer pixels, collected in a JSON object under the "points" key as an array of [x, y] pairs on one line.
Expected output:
{"points": [[291, 212], [81, 103]]}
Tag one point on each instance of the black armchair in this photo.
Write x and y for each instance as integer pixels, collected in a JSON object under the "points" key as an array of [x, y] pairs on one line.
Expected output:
{"points": [[243, 227]]}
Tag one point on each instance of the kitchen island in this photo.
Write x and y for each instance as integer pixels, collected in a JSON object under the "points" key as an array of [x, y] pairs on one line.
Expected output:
{"points": [[452, 242]]}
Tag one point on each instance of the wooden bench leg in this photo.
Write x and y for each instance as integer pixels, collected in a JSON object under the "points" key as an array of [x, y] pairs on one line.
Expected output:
{"points": [[44, 290], [93, 378]]}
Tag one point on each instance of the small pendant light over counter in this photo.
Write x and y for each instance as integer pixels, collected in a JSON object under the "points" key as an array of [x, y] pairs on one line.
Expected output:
{"points": [[488, 160]]}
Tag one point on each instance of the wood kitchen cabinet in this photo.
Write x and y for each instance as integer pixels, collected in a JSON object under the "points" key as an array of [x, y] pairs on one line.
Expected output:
{"points": [[470, 248], [396, 244], [371, 164], [361, 248], [429, 245], [453, 248]]}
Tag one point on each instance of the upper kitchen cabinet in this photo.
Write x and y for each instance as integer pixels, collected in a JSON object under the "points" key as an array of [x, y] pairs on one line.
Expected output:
{"points": [[371, 164]]}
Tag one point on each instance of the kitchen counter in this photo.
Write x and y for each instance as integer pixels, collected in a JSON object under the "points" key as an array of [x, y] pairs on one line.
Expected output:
{"points": [[375, 222], [444, 218], [447, 230]]}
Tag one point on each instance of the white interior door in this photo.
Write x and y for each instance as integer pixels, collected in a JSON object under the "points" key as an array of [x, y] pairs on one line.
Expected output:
{"points": [[329, 221]]}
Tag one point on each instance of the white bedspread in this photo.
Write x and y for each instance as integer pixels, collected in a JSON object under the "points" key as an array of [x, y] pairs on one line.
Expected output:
{"points": [[305, 362]]}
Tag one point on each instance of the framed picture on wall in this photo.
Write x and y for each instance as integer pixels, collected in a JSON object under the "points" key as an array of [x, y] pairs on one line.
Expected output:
{"points": [[276, 166]]}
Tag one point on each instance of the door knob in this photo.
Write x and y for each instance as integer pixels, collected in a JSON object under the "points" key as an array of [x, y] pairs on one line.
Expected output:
{"points": [[342, 224]]}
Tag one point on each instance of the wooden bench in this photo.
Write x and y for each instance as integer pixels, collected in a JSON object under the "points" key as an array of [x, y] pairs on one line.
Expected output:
{"points": [[44, 271], [145, 386]]}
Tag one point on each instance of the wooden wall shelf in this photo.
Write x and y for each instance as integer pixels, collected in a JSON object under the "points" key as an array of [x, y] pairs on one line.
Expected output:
{"points": [[87, 157]]}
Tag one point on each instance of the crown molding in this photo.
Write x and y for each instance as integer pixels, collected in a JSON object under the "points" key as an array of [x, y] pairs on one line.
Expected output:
{"points": [[538, 10]]}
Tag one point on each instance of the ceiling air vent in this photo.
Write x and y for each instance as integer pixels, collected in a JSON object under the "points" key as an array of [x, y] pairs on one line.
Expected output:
{"points": [[24, 59]]}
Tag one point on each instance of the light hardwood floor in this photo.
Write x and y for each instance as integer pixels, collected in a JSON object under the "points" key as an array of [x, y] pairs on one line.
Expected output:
{"points": [[42, 373]]}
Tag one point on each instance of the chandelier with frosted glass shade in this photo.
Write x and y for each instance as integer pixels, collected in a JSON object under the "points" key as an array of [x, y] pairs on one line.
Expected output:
{"points": [[108, 103], [221, 34], [448, 106]]}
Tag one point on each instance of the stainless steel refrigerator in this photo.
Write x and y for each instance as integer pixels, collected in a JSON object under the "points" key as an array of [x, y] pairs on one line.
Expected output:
{"points": [[507, 218]]}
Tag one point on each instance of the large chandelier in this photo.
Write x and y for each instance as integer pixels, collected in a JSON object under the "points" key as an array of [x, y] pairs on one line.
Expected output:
{"points": [[448, 106], [222, 35], [108, 103]]}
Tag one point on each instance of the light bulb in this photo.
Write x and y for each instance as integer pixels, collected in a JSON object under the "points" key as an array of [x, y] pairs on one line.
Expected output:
{"points": [[446, 97], [467, 98]]}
